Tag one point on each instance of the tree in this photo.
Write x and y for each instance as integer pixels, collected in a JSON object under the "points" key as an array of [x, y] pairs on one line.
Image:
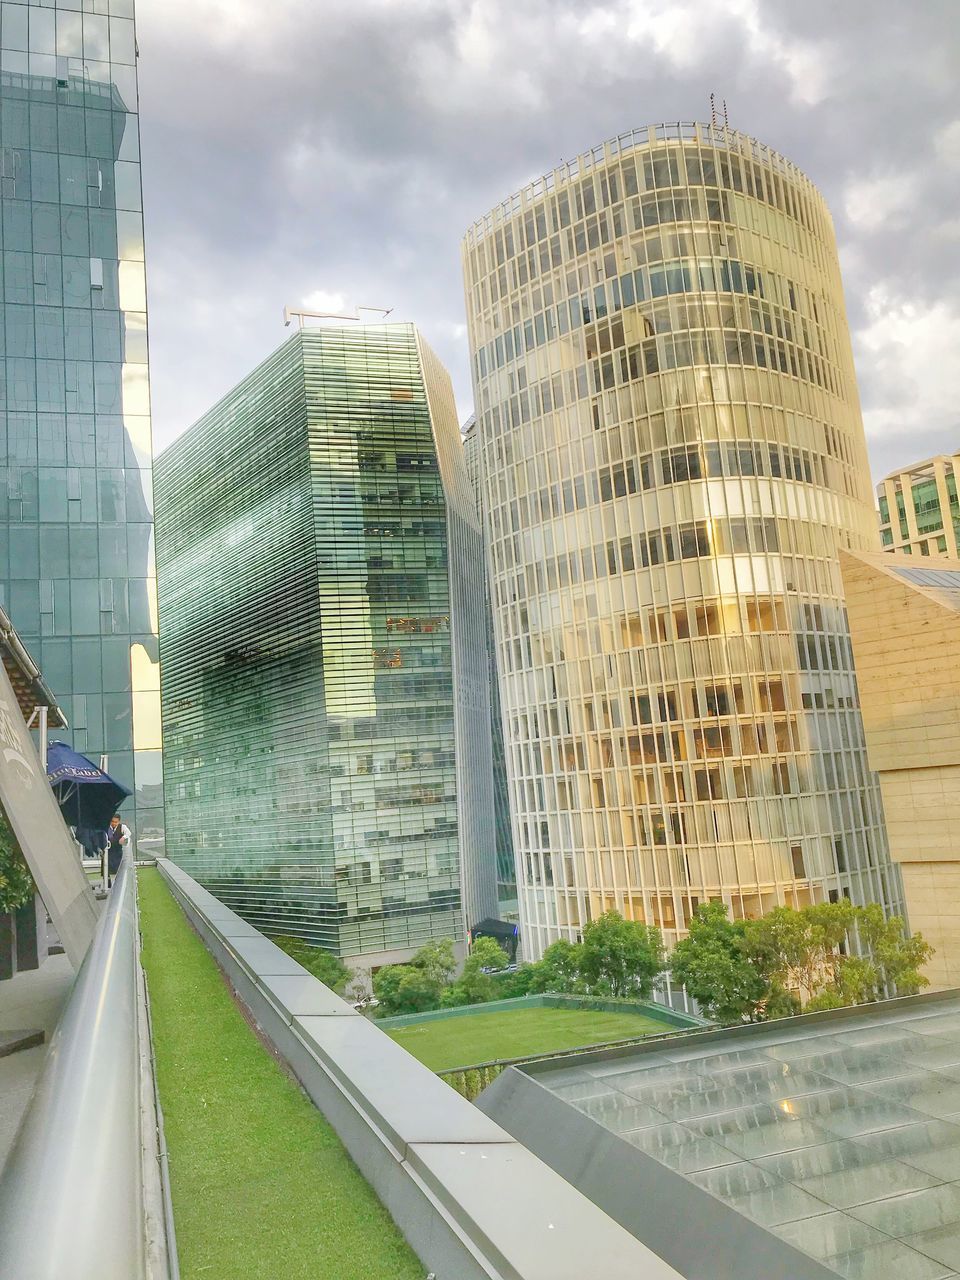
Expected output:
{"points": [[620, 957], [330, 969], [437, 961], [419, 985], [359, 988], [558, 970], [477, 984], [518, 983], [799, 951], [713, 966], [16, 883], [405, 988], [897, 955]]}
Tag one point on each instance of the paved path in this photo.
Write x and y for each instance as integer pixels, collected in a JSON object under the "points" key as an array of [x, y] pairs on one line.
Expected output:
{"points": [[31, 999]]}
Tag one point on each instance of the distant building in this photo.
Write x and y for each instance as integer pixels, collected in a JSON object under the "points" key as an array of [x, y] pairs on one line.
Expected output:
{"points": [[506, 865], [905, 627], [920, 509], [671, 453], [326, 706]]}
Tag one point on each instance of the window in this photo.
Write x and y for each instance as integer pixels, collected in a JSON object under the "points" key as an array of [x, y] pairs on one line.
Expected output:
{"points": [[713, 741], [673, 786], [707, 620], [644, 788], [771, 695], [709, 784], [715, 701], [839, 854], [743, 780], [667, 704], [640, 709], [796, 856]]}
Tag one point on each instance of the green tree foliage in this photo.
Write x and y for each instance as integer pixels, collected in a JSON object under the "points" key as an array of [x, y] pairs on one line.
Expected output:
{"points": [[16, 883], [558, 971], [897, 956], [518, 983], [792, 960], [419, 985], [713, 965], [800, 949], [437, 961], [477, 983], [329, 968], [620, 957]]}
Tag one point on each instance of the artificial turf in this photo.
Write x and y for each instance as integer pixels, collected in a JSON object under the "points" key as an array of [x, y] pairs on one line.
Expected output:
{"points": [[482, 1037], [261, 1184]]}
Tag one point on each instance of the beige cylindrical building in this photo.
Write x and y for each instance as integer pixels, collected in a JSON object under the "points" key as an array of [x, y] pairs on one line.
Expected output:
{"points": [[671, 454]]}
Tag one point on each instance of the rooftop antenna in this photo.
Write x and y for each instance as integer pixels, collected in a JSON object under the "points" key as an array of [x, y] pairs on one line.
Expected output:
{"points": [[713, 110], [290, 312], [726, 122]]}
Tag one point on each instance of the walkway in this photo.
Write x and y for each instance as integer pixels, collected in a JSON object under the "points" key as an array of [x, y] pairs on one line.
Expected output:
{"points": [[30, 1000]]}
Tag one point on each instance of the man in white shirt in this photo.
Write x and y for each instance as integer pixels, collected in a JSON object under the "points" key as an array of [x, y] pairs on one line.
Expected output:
{"points": [[120, 839]]}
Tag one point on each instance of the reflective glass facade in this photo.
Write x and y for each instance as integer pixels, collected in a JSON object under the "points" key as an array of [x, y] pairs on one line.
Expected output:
{"points": [[316, 541], [506, 865], [671, 454], [920, 510], [76, 541]]}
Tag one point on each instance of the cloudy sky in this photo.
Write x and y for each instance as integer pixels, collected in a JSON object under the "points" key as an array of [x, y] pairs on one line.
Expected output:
{"points": [[331, 152]]}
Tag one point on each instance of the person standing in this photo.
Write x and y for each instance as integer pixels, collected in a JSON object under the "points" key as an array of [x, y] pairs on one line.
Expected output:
{"points": [[120, 839]]}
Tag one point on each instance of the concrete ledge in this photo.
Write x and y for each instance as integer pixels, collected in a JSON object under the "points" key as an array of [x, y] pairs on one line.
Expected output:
{"points": [[472, 1201]]}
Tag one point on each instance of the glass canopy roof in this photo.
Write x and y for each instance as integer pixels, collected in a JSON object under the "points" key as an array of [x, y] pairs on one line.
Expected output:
{"points": [[842, 1138]]}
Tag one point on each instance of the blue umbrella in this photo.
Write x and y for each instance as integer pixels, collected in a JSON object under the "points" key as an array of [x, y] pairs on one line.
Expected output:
{"points": [[87, 796]]}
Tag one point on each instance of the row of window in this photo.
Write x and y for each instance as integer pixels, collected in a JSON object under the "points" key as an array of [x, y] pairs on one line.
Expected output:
{"points": [[711, 275], [416, 758], [669, 466], [662, 171], [710, 347], [696, 539]]}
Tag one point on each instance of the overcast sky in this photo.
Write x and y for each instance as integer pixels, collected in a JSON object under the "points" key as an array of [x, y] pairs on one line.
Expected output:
{"points": [[332, 152]]}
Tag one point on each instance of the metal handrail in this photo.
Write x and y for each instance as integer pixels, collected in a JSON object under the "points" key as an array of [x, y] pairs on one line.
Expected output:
{"points": [[71, 1194]]}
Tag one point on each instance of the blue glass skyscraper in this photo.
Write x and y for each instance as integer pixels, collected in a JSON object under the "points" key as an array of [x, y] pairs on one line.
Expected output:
{"points": [[76, 533]]}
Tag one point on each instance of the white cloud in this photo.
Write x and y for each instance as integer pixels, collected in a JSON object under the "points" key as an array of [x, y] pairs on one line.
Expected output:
{"points": [[947, 144], [907, 356], [324, 300], [877, 202]]}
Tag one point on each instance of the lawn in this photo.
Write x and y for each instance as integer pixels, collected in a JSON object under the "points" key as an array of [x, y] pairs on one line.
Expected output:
{"points": [[482, 1037], [262, 1186]]}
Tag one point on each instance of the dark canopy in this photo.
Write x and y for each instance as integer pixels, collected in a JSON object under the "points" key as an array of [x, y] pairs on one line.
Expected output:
{"points": [[87, 796]]}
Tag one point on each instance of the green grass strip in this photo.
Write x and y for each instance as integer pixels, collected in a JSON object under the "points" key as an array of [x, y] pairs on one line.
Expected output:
{"points": [[512, 1033], [262, 1186]]}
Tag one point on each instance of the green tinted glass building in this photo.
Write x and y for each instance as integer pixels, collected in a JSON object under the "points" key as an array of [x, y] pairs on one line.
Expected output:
{"points": [[506, 863], [76, 552], [919, 508], [321, 586]]}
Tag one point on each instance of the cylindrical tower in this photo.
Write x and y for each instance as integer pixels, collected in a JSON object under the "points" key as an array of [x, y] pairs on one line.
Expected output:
{"points": [[671, 454]]}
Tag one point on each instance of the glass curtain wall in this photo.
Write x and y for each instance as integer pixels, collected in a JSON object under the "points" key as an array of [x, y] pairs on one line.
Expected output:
{"points": [[671, 453], [309, 709], [76, 534], [506, 866]]}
